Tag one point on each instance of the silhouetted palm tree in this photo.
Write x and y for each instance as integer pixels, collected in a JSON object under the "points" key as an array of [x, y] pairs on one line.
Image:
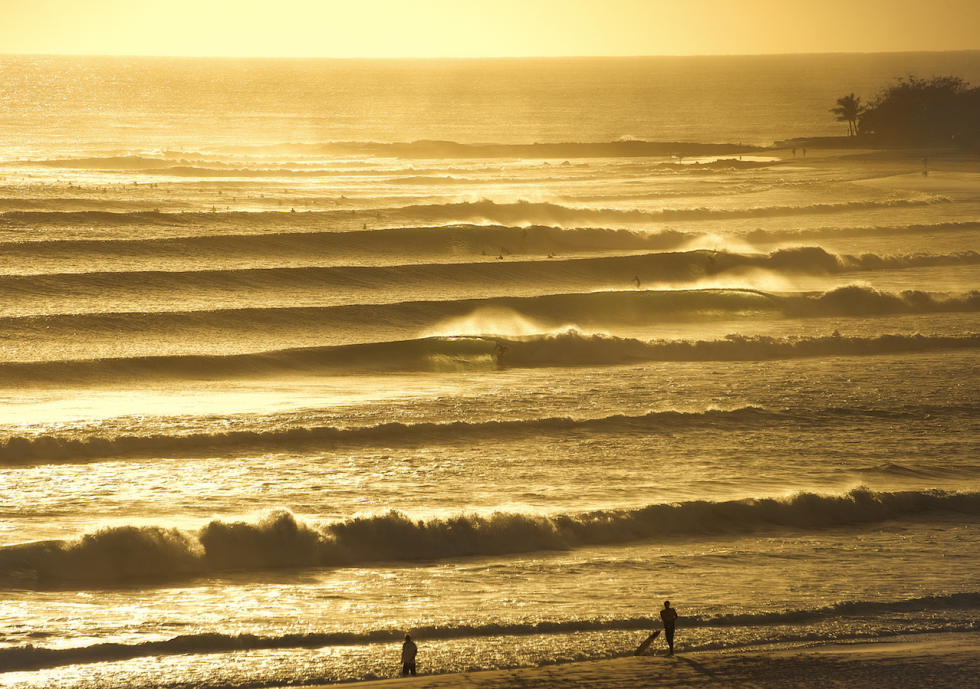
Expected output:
{"points": [[848, 109]]}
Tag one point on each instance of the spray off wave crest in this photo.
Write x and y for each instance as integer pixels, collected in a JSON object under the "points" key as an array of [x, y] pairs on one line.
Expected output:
{"points": [[129, 553]]}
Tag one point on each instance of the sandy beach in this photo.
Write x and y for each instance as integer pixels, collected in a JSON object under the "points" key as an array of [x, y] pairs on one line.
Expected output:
{"points": [[939, 660]]}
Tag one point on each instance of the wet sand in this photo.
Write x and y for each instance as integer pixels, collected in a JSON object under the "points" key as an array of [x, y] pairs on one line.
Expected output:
{"points": [[950, 661]]}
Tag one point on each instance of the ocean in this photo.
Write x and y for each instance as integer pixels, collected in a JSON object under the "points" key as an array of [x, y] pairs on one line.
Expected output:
{"points": [[300, 356]]}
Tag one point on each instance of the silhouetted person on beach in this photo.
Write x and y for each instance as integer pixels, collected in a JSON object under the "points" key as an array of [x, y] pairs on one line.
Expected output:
{"points": [[409, 651], [669, 617]]}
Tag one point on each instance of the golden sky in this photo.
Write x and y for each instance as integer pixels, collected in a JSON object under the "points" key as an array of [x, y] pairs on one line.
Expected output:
{"points": [[483, 28]]}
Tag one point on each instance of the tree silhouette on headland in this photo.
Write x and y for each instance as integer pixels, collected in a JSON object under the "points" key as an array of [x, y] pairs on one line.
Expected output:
{"points": [[848, 110], [914, 112]]}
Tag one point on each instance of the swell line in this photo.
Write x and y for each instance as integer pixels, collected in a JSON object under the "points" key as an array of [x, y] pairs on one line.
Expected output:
{"points": [[453, 239], [565, 348], [658, 268], [488, 210], [51, 448]]}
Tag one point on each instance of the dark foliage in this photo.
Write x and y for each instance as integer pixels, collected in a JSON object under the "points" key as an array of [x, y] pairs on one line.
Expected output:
{"points": [[937, 111], [848, 110]]}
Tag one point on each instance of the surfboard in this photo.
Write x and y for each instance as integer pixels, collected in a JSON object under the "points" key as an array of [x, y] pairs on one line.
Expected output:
{"points": [[646, 643]]}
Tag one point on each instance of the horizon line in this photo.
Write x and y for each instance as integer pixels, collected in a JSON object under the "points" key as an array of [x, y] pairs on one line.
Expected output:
{"points": [[482, 57]]}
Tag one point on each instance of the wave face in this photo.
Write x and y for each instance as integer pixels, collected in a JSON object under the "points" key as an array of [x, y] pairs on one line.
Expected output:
{"points": [[129, 553], [564, 348], [32, 658]]}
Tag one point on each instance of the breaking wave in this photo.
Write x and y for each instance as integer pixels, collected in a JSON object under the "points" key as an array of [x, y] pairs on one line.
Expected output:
{"points": [[32, 658], [147, 553]]}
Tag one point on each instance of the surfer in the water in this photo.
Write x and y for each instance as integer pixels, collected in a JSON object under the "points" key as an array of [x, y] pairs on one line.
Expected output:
{"points": [[669, 617]]}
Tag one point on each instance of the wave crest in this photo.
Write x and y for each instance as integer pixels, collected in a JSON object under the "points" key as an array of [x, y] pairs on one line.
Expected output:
{"points": [[125, 554]]}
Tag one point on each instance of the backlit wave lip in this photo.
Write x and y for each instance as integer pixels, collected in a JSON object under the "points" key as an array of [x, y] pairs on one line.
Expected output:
{"points": [[123, 554]]}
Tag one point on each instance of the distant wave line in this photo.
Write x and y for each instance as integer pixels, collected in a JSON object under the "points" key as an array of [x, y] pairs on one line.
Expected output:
{"points": [[405, 241], [503, 213], [48, 448], [451, 149]]}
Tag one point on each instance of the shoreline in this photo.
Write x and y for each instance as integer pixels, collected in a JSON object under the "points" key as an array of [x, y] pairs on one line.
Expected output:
{"points": [[950, 660]]}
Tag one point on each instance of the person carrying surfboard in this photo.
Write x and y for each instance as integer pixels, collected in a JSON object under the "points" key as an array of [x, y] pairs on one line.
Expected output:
{"points": [[669, 617]]}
